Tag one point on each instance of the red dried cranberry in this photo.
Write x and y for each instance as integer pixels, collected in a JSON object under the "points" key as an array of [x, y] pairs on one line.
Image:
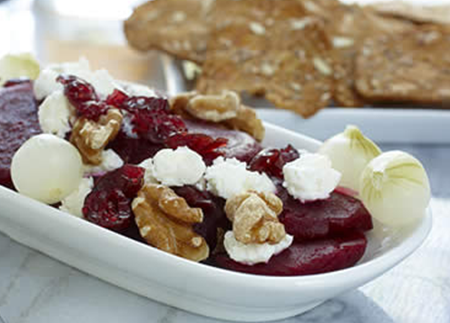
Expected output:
{"points": [[83, 97], [204, 145], [157, 126], [109, 209], [150, 117], [128, 179], [109, 203], [141, 103], [116, 99], [307, 258], [271, 161], [213, 212], [334, 216]]}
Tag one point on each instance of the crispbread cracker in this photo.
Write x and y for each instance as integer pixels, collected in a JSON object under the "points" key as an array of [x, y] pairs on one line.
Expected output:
{"points": [[349, 27], [419, 14], [177, 27], [289, 60], [409, 67]]}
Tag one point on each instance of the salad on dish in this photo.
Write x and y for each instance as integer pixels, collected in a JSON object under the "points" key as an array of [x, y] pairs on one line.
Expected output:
{"points": [[189, 175]]}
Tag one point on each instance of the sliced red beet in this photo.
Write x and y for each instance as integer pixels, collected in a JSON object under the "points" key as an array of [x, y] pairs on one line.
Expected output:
{"points": [[213, 212], [18, 122], [109, 203], [325, 218], [240, 145], [307, 258]]}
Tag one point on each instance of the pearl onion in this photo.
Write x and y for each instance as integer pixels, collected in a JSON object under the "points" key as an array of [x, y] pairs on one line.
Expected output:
{"points": [[47, 168]]}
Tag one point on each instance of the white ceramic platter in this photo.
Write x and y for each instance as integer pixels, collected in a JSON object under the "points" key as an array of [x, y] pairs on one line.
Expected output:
{"points": [[187, 285]]}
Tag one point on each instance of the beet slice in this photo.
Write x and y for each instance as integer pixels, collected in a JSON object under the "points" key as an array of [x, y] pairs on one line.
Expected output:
{"points": [[325, 218], [307, 258], [240, 145], [18, 122]]}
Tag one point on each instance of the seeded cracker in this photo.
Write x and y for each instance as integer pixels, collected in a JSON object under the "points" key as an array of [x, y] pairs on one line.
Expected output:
{"points": [[176, 27], [287, 60], [349, 27], [409, 67]]}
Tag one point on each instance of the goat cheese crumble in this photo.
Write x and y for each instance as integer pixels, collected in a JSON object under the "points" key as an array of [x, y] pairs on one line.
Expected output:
{"points": [[179, 167], [254, 253], [310, 177], [228, 177]]}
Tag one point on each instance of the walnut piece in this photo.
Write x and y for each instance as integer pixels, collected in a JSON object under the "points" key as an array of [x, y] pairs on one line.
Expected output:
{"points": [[225, 109], [165, 221], [215, 108], [255, 217], [92, 137]]}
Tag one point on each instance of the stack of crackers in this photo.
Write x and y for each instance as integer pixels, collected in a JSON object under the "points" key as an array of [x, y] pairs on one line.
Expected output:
{"points": [[304, 55]]}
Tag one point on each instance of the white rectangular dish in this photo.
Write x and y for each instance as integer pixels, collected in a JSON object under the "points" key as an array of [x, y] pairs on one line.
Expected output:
{"points": [[187, 285], [383, 125]]}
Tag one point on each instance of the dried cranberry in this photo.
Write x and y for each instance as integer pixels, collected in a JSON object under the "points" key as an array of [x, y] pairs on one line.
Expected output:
{"points": [[307, 258], [109, 209], [109, 203], [83, 97], [203, 144], [141, 103], [213, 212], [116, 99], [127, 178], [157, 126], [271, 161], [150, 117]]}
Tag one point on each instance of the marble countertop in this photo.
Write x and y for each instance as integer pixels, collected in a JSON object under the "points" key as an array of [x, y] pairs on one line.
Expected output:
{"points": [[37, 289]]}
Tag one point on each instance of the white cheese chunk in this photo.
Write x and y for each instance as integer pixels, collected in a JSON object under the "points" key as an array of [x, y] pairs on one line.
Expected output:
{"points": [[110, 161], [149, 176], [310, 177], [54, 114], [254, 253], [179, 167], [73, 204], [46, 82], [228, 177]]}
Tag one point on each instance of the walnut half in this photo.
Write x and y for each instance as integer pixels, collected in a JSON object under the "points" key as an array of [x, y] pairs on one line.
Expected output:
{"points": [[225, 109], [255, 217], [92, 137], [165, 221]]}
